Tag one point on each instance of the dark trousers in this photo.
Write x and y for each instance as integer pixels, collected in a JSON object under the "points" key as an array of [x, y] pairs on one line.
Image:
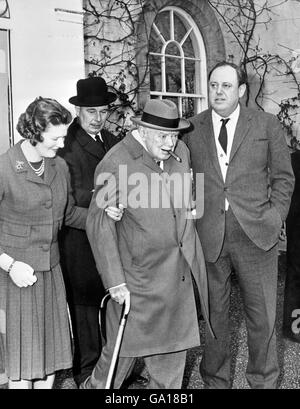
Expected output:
{"points": [[256, 271], [291, 305], [87, 340]]}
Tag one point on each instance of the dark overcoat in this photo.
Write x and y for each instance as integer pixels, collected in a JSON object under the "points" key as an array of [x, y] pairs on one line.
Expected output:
{"points": [[82, 155], [154, 249]]}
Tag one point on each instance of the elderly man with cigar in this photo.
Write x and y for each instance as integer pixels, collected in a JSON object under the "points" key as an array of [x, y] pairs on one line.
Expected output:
{"points": [[151, 254]]}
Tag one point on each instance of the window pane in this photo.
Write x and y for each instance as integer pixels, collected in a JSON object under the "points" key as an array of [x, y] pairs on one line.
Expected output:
{"points": [[155, 42], [155, 73], [172, 49], [188, 48], [173, 77], [188, 106], [174, 99], [180, 29], [190, 76], [162, 22]]}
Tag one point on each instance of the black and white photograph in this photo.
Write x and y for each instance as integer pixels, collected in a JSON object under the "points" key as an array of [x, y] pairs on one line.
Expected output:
{"points": [[150, 197]]}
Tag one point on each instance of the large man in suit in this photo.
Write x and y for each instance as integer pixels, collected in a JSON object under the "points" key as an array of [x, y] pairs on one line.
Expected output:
{"points": [[248, 182], [86, 144], [151, 252]]}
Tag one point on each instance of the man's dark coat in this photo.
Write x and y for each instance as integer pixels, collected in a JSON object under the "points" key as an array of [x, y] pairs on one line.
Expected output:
{"points": [[82, 155]]}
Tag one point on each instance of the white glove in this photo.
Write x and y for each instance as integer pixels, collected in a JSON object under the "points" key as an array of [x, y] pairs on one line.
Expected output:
{"points": [[22, 274]]}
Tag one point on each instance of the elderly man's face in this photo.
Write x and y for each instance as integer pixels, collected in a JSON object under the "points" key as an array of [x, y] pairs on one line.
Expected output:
{"points": [[158, 143], [92, 119]]}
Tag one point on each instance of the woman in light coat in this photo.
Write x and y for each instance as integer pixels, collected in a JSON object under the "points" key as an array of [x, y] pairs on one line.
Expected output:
{"points": [[35, 199]]}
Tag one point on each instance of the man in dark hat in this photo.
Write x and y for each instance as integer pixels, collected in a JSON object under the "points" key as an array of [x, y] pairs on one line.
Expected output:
{"points": [[151, 253], [86, 144]]}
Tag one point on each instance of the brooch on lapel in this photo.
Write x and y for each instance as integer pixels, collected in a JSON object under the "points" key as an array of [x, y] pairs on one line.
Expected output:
{"points": [[19, 165]]}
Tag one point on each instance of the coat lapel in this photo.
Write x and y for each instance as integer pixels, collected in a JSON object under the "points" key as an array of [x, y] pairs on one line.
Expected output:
{"points": [[87, 142], [150, 163], [242, 129], [50, 171], [207, 132], [136, 150]]}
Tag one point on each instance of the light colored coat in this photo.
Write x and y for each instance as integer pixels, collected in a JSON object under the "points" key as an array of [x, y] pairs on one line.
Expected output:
{"points": [[152, 250], [259, 157], [32, 209]]}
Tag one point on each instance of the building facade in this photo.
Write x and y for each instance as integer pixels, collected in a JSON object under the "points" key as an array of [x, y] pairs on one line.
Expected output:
{"points": [[41, 54], [165, 48], [145, 48]]}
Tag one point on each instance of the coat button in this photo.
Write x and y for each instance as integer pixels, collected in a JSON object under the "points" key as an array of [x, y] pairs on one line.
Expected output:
{"points": [[222, 211], [180, 244], [183, 278], [225, 189]]}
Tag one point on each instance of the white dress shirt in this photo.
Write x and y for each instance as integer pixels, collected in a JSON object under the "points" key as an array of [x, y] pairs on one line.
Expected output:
{"points": [[230, 126], [94, 136]]}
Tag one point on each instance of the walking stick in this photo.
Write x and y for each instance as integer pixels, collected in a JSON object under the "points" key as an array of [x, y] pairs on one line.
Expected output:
{"points": [[124, 315]]}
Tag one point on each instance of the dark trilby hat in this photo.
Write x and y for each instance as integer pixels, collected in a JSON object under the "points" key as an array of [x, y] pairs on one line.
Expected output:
{"points": [[161, 114], [92, 92]]}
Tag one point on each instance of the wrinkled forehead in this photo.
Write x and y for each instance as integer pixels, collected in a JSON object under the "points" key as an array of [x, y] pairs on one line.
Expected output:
{"points": [[158, 132], [92, 109]]}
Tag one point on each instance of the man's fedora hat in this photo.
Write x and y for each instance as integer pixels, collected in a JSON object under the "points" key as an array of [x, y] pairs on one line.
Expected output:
{"points": [[92, 92], [161, 114]]}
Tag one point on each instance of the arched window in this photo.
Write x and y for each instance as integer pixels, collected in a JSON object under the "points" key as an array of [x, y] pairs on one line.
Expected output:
{"points": [[177, 61]]}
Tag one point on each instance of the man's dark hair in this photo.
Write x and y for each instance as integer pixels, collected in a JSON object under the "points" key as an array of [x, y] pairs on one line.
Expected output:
{"points": [[241, 74]]}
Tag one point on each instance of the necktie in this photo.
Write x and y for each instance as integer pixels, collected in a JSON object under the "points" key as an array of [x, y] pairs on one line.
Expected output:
{"points": [[98, 139], [223, 135]]}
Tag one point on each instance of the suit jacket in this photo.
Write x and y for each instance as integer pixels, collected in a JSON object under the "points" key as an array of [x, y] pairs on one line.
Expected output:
{"points": [[153, 248], [294, 211], [33, 209], [259, 181], [82, 155]]}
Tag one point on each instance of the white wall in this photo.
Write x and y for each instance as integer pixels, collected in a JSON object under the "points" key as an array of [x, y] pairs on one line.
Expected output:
{"points": [[47, 53]]}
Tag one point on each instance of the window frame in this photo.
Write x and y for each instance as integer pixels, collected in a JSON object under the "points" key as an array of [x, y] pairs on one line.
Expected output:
{"points": [[192, 32]]}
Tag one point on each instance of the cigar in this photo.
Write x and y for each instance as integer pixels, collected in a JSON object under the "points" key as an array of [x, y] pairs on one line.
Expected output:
{"points": [[175, 156]]}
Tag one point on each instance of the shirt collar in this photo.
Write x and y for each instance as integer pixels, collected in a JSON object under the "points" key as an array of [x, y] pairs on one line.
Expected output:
{"points": [[93, 136], [233, 116]]}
